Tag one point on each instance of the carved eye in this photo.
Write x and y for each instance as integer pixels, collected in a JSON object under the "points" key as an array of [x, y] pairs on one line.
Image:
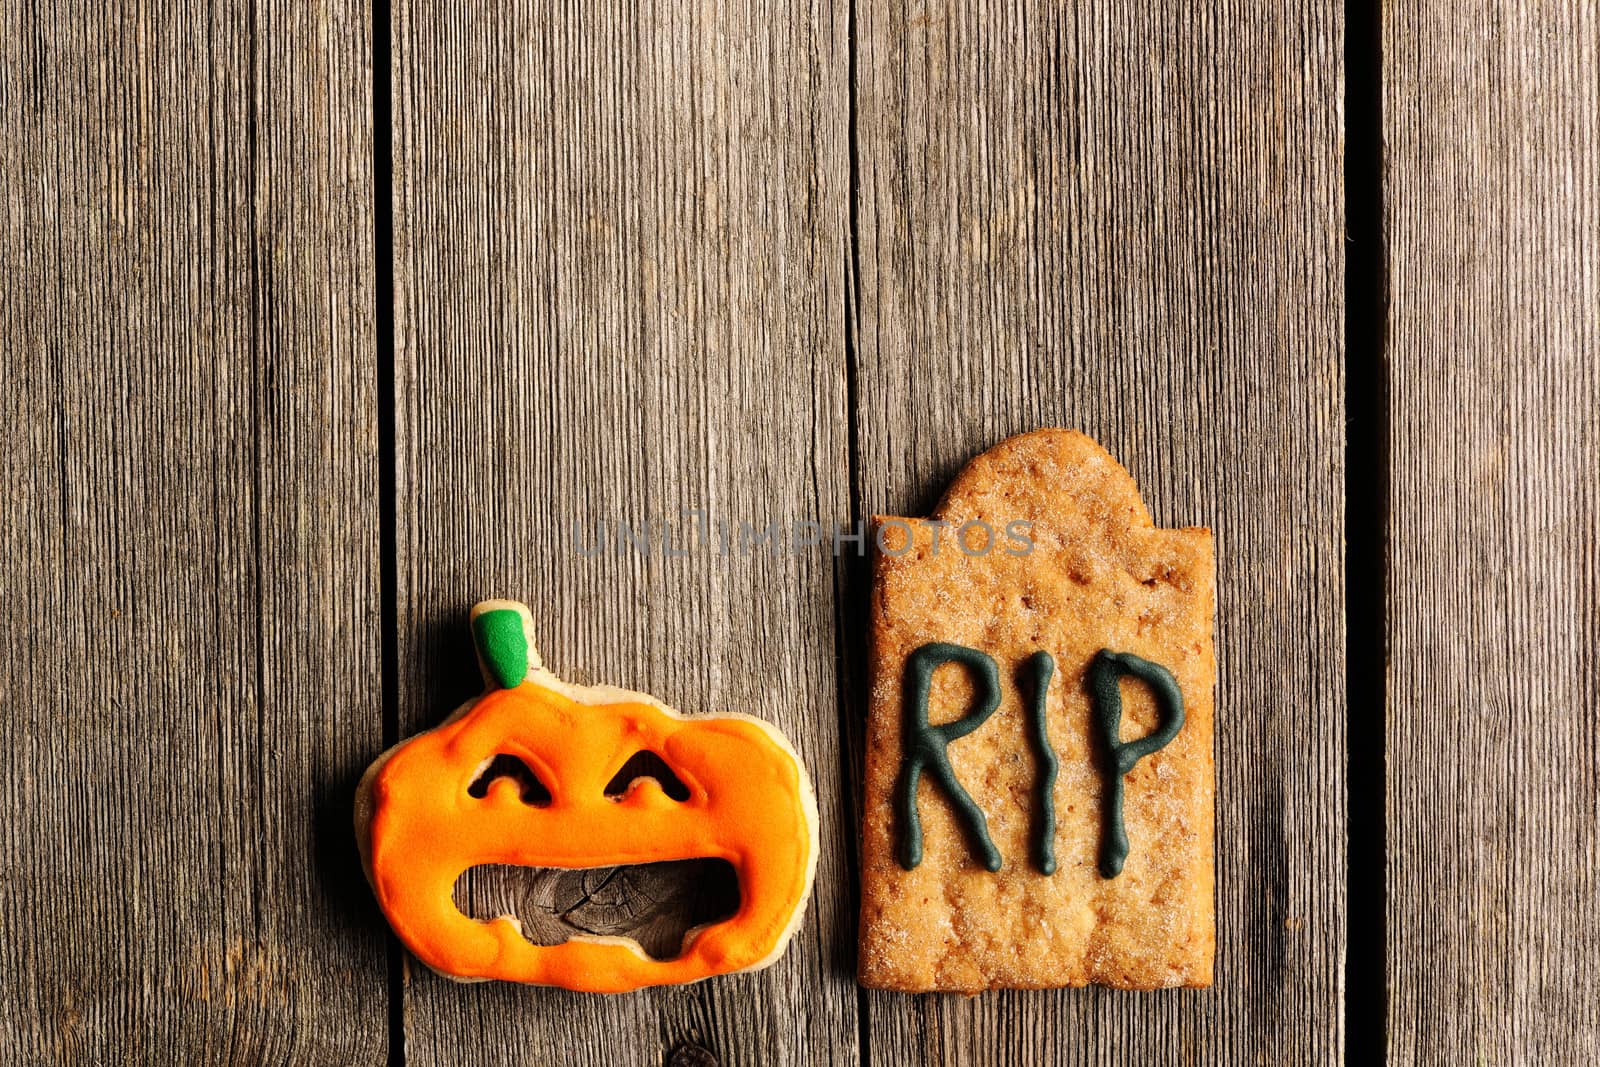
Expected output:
{"points": [[646, 764], [534, 792]]}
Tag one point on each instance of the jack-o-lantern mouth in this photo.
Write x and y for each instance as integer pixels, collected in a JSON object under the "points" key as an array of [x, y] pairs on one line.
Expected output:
{"points": [[659, 906]]}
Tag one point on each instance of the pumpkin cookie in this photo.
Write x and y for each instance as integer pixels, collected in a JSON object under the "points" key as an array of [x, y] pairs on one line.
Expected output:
{"points": [[519, 777], [1039, 774]]}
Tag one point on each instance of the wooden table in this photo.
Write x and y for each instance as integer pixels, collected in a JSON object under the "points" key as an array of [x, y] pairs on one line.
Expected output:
{"points": [[322, 322]]}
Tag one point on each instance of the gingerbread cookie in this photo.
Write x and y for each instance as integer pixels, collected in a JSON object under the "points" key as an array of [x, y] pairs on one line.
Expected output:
{"points": [[519, 776], [1039, 774]]}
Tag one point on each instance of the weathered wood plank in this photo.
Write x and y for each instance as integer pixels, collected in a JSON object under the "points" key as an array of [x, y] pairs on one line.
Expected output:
{"points": [[191, 535], [1127, 219], [619, 235], [1493, 158]]}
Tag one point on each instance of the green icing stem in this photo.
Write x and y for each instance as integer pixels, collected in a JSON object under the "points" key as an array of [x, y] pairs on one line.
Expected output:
{"points": [[1043, 667], [1105, 678], [503, 644], [925, 746]]}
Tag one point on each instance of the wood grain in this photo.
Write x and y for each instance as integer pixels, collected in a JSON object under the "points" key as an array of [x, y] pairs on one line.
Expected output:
{"points": [[630, 243], [1127, 219], [619, 235], [190, 531], [1492, 135]]}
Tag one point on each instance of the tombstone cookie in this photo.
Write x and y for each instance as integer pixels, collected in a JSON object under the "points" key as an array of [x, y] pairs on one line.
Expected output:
{"points": [[520, 777], [1039, 774]]}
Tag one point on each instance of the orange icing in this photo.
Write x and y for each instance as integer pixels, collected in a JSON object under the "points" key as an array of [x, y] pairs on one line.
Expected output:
{"points": [[746, 805]]}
